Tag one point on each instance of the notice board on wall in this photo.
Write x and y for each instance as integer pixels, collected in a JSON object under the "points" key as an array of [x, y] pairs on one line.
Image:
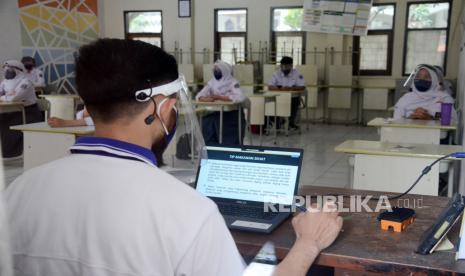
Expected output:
{"points": [[349, 17]]}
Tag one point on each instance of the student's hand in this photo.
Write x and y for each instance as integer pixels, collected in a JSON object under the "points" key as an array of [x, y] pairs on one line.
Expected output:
{"points": [[206, 99], [56, 122], [318, 228], [421, 114], [221, 98]]}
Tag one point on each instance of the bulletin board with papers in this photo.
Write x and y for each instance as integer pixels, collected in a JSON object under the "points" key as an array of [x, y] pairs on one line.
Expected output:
{"points": [[349, 17]]}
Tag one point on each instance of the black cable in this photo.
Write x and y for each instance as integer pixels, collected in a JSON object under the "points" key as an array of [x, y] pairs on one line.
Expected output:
{"points": [[425, 171]]}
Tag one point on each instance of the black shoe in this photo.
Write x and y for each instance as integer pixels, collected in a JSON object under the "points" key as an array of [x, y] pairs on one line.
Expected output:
{"points": [[293, 127]]}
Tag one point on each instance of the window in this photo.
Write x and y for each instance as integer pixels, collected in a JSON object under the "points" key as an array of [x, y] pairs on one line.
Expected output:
{"points": [[145, 26], [426, 36], [231, 35], [287, 37], [375, 57]]}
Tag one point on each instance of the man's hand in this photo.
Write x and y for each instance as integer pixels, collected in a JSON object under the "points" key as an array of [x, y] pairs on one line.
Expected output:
{"points": [[221, 98], [56, 122], [315, 229], [318, 227]]}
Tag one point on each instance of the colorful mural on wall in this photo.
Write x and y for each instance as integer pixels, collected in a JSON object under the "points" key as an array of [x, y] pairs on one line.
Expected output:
{"points": [[52, 31]]}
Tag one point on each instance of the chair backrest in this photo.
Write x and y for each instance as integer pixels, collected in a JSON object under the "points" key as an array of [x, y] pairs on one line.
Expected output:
{"points": [[44, 105], [244, 73], [188, 71], [268, 71], [207, 70], [309, 72]]}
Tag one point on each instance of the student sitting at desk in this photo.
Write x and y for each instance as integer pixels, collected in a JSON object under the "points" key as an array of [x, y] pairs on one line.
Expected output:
{"points": [[222, 87], [426, 96], [16, 87], [106, 209], [34, 74], [287, 79]]}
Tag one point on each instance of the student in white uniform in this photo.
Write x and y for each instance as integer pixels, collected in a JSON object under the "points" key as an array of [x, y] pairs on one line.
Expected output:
{"points": [[222, 87], [425, 98], [106, 209], [34, 74], [288, 78], [16, 87]]}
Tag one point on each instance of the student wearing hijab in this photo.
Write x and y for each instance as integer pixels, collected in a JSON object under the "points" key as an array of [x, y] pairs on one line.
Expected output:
{"points": [[222, 87], [425, 98], [16, 87]]}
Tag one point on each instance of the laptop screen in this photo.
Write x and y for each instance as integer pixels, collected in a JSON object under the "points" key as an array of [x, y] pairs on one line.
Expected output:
{"points": [[250, 173]]}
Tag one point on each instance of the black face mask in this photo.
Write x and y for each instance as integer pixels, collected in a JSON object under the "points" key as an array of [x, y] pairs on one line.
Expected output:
{"points": [[10, 74], [217, 74], [29, 66], [286, 71]]}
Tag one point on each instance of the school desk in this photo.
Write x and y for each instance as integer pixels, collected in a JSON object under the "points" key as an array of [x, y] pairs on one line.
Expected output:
{"points": [[7, 107], [411, 131], [393, 167], [62, 106], [43, 143], [362, 247]]}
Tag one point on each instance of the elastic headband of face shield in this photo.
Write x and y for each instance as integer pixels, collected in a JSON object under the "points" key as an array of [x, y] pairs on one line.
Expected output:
{"points": [[418, 68], [178, 85]]}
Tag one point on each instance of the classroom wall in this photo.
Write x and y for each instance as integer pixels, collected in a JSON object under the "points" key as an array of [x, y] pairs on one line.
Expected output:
{"points": [[10, 37], [198, 31], [52, 31]]}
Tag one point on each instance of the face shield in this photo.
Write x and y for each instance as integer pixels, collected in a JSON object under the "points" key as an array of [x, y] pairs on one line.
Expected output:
{"points": [[188, 145]]}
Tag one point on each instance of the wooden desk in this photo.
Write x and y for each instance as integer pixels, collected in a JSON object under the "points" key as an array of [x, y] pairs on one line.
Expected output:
{"points": [[393, 167], [363, 246], [7, 107], [411, 131], [43, 143], [222, 106], [62, 106]]}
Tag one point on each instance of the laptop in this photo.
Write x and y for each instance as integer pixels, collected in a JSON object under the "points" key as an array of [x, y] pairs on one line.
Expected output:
{"points": [[249, 184]]}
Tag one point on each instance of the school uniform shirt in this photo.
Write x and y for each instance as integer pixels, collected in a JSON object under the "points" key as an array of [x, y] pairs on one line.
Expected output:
{"points": [[430, 100], [19, 89], [36, 76], [106, 209], [294, 78], [226, 86]]}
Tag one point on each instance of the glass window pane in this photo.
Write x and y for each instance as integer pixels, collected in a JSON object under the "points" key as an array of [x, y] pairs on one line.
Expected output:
{"points": [[289, 46], [381, 17], [228, 44], [374, 52], [433, 15], [287, 19], [152, 40], [427, 47], [144, 22], [232, 21]]}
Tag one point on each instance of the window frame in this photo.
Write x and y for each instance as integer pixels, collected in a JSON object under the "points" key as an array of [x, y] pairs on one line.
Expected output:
{"points": [[407, 30], [129, 35], [390, 45], [273, 35], [218, 35]]}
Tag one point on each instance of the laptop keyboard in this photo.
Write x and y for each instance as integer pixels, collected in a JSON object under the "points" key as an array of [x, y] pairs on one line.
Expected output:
{"points": [[246, 211]]}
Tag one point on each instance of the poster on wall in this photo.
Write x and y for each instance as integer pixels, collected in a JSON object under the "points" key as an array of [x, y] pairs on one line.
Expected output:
{"points": [[349, 17]]}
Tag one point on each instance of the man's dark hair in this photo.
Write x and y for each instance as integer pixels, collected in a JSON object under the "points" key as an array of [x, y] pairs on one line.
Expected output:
{"points": [[286, 60], [110, 71], [28, 59]]}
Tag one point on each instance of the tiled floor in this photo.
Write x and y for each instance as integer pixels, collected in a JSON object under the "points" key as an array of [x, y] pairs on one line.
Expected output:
{"points": [[321, 165]]}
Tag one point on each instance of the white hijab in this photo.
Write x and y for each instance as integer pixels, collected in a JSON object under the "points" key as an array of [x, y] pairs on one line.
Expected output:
{"points": [[226, 81], [436, 89], [10, 85]]}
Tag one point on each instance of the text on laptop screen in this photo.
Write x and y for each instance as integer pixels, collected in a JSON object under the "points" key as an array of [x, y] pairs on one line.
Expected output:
{"points": [[249, 174]]}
